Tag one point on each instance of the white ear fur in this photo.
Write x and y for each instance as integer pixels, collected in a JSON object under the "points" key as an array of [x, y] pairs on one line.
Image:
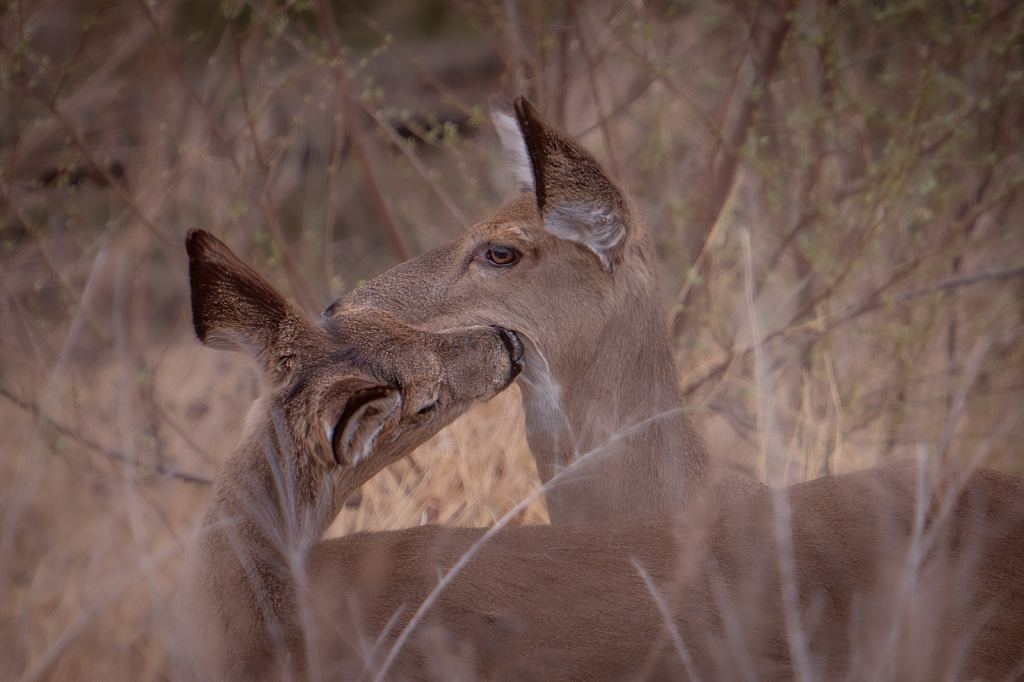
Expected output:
{"points": [[516, 156], [590, 224]]}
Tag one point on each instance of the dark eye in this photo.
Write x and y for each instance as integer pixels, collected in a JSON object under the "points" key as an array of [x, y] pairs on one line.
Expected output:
{"points": [[502, 256]]}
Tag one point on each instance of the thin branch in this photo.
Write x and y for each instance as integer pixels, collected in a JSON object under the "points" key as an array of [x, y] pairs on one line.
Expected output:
{"points": [[412, 62], [774, 36], [418, 166], [873, 300], [295, 280], [964, 280], [115, 183], [952, 415], [159, 467], [325, 20]]}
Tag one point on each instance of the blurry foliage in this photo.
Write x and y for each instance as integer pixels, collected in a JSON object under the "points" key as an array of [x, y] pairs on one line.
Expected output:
{"points": [[871, 152]]}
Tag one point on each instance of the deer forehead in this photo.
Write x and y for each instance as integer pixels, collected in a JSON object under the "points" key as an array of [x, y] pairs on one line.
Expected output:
{"points": [[518, 218]]}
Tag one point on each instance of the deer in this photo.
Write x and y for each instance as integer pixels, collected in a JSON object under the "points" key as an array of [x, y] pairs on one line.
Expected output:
{"points": [[337, 391], [908, 571], [570, 266]]}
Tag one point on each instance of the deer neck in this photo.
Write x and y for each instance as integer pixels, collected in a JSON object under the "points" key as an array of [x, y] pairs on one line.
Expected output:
{"points": [[619, 411], [267, 511]]}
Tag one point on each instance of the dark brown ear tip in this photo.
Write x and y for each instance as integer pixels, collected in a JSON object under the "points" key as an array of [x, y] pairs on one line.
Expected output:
{"points": [[201, 327], [517, 105], [197, 241], [526, 113]]}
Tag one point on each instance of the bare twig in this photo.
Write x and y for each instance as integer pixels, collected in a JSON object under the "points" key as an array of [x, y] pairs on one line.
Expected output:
{"points": [[115, 183], [404, 57], [418, 166], [84, 440], [606, 134], [952, 415], [297, 283], [955, 282], [771, 25], [708, 241], [325, 20], [873, 300]]}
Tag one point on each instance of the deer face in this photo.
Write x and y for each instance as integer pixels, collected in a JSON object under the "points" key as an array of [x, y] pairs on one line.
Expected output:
{"points": [[377, 388], [349, 394], [565, 264]]}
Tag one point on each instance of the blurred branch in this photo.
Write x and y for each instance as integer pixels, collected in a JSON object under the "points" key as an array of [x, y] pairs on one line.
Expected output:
{"points": [[157, 414], [412, 62], [818, 328], [606, 135], [517, 56], [250, 120], [719, 134], [51, 268], [569, 19], [768, 31], [771, 25], [964, 280], [325, 20], [161, 468], [952, 414], [962, 226], [418, 166], [300, 289], [36, 344], [692, 274], [118, 184]]}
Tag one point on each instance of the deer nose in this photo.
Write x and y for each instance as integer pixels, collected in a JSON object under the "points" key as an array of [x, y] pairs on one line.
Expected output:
{"points": [[515, 350]]}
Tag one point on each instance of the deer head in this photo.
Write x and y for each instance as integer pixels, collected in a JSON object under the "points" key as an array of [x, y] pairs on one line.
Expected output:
{"points": [[343, 397]]}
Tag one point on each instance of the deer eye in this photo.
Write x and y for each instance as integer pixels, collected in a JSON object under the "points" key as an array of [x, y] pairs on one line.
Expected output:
{"points": [[502, 256]]}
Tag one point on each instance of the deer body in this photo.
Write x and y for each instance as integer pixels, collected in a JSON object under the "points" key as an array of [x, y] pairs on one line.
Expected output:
{"points": [[571, 603], [570, 266], [901, 572]]}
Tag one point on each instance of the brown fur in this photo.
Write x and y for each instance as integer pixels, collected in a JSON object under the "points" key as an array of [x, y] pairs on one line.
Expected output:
{"points": [[902, 572], [600, 377], [569, 602], [336, 389]]}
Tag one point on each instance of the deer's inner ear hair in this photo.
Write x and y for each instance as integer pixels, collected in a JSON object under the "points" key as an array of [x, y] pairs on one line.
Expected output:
{"points": [[365, 413]]}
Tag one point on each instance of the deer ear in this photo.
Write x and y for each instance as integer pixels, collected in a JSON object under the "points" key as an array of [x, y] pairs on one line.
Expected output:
{"points": [[512, 142], [367, 409], [233, 308], [576, 199]]}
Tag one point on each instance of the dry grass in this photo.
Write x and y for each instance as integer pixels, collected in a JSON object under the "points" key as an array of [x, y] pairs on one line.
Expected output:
{"points": [[860, 297], [91, 547]]}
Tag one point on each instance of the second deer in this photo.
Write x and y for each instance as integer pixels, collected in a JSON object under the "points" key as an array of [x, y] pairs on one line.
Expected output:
{"points": [[904, 572], [571, 267]]}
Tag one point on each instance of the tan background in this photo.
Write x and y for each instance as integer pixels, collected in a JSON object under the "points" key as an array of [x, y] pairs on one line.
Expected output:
{"points": [[853, 170]]}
